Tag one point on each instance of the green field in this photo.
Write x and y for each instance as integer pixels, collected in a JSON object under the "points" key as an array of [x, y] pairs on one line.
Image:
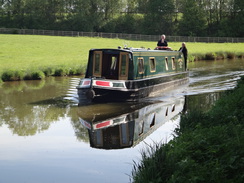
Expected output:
{"points": [[28, 53]]}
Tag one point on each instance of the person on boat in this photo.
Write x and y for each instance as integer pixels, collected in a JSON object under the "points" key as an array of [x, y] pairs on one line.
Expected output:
{"points": [[162, 41], [183, 49]]}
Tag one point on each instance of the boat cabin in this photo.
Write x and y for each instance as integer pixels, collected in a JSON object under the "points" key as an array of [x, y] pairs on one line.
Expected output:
{"points": [[130, 73], [131, 64]]}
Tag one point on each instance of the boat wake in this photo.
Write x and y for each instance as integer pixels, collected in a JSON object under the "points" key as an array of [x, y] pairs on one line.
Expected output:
{"points": [[198, 83], [71, 94], [212, 82]]}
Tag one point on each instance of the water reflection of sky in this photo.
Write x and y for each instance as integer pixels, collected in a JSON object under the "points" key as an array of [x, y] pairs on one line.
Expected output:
{"points": [[56, 155]]}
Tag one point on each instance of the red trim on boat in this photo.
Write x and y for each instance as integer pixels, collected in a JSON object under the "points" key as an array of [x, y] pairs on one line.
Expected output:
{"points": [[103, 124], [87, 82], [102, 83]]}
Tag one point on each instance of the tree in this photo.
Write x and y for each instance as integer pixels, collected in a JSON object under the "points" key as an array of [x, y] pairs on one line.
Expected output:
{"points": [[236, 19], [193, 22], [158, 16]]}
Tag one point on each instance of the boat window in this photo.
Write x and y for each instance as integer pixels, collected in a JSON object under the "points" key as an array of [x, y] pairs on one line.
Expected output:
{"points": [[97, 59], [152, 63], [140, 65], [113, 63], [123, 71], [173, 63], [166, 63]]}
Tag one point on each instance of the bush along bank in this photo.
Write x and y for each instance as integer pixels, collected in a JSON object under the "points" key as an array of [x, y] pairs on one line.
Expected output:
{"points": [[36, 74], [208, 148], [215, 56]]}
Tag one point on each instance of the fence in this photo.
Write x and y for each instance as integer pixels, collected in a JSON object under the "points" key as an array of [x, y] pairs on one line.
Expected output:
{"points": [[138, 37]]}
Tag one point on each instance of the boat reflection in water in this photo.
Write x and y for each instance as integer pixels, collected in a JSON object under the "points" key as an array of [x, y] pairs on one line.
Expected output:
{"points": [[117, 126]]}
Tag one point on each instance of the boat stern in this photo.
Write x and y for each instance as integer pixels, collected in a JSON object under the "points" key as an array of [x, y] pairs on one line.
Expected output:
{"points": [[85, 91], [100, 89]]}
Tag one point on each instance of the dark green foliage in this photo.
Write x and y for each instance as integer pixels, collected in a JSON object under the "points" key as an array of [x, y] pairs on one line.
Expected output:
{"points": [[221, 55], [210, 56], [194, 19], [49, 71], [209, 147], [68, 71], [120, 24], [34, 75], [158, 18], [61, 72], [77, 71], [181, 17], [230, 55], [199, 56], [11, 75], [240, 55]]}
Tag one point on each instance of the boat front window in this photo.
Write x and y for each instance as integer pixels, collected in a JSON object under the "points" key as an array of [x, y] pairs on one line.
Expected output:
{"points": [[113, 63], [123, 66], [97, 58], [140, 65], [97, 63], [124, 61]]}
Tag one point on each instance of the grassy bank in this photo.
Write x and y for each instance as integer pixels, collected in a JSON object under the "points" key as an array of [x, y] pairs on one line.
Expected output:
{"points": [[209, 147], [35, 57]]}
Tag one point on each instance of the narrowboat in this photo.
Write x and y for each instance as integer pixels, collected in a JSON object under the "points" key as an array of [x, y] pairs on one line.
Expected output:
{"points": [[130, 74], [125, 127]]}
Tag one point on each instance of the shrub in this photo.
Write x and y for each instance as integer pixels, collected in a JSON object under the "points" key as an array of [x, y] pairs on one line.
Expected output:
{"points": [[61, 72], [8, 75], [49, 71], [240, 55], [199, 56], [221, 55], [210, 56], [12, 75], [191, 58], [34, 75], [78, 70], [37, 75], [230, 55]]}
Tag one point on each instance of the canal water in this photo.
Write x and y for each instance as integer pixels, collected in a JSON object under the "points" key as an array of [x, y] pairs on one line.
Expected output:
{"points": [[46, 136]]}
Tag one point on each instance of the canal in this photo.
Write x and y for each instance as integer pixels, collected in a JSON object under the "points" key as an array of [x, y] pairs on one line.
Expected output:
{"points": [[46, 136]]}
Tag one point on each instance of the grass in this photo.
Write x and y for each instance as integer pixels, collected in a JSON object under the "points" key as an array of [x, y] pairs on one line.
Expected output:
{"points": [[68, 55], [209, 146]]}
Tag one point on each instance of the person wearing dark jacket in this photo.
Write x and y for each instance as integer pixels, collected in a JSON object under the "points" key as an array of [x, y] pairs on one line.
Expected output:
{"points": [[183, 49], [162, 41]]}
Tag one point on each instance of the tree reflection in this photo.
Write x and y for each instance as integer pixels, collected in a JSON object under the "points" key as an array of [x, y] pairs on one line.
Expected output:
{"points": [[28, 108]]}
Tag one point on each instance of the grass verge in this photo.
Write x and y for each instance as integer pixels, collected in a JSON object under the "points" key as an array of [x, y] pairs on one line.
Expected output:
{"points": [[20, 55], [209, 146]]}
